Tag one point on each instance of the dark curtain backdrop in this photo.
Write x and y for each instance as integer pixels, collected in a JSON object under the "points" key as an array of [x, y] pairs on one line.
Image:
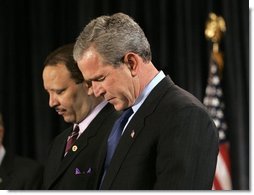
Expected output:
{"points": [[30, 29]]}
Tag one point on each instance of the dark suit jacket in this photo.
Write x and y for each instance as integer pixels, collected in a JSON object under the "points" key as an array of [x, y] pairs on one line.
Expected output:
{"points": [[78, 170], [170, 143], [19, 173]]}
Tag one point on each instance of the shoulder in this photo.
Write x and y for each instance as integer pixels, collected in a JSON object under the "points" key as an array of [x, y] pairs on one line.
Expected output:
{"points": [[22, 172], [22, 166], [62, 136], [25, 165], [169, 95]]}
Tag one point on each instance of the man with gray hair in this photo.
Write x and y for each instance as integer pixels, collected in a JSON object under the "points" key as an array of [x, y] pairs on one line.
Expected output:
{"points": [[169, 141]]}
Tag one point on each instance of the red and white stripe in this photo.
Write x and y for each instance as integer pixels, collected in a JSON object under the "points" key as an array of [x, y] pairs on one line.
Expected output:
{"points": [[222, 179]]}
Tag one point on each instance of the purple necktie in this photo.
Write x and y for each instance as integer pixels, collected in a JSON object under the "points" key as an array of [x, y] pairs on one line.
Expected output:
{"points": [[71, 139]]}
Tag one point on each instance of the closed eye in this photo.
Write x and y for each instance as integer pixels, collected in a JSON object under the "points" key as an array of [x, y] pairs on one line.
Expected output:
{"points": [[59, 91], [97, 79], [100, 79]]}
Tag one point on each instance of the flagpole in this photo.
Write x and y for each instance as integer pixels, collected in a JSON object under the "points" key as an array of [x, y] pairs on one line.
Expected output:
{"points": [[213, 100]]}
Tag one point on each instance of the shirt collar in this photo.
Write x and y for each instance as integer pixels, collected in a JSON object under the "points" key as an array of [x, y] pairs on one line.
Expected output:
{"points": [[84, 124], [149, 87], [144, 94]]}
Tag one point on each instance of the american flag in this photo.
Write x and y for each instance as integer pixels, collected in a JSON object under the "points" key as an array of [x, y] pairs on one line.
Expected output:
{"points": [[213, 100]]}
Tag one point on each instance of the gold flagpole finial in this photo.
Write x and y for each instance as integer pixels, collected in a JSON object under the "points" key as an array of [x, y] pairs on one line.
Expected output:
{"points": [[215, 27]]}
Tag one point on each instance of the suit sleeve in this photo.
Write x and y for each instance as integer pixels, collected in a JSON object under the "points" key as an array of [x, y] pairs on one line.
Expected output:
{"points": [[189, 159]]}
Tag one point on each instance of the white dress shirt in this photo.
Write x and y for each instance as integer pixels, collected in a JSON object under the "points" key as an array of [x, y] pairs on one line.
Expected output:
{"points": [[84, 124]]}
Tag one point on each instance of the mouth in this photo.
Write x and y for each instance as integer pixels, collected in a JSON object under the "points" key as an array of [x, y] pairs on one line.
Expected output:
{"points": [[110, 100], [60, 111]]}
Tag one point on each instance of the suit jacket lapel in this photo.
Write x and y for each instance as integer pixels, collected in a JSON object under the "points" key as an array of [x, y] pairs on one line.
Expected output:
{"points": [[56, 157], [82, 141], [133, 129]]}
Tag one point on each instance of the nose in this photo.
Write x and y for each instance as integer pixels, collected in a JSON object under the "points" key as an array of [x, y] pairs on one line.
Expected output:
{"points": [[97, 89], [52, 101]]}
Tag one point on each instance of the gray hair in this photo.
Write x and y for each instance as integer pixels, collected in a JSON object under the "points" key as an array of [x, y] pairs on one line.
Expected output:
{"points": [[112, 37]]}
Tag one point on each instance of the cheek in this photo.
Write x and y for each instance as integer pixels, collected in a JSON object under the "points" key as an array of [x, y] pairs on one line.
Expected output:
{"points": [[65, 102], [124, 91], [121, 86], [79, 98], [68, 100]]}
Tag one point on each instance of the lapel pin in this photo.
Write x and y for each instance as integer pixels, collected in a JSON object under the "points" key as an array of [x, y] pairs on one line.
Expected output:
{"points": [[132, 134], [74, 148]]}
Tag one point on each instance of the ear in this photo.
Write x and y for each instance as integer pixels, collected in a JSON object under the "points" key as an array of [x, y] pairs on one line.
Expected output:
{"points": [[132, 62]]}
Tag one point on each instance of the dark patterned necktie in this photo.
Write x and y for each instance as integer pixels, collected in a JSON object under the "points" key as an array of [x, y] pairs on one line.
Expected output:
{"points": [[115, 136], [71, 139]]}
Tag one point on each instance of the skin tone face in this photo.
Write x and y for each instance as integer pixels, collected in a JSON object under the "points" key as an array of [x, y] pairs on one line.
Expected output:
{"points": [[118, 85], [70, 100]]}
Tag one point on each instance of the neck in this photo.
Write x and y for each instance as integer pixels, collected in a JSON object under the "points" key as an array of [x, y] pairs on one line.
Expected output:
{"points": [[93, 103], [148, 72]]}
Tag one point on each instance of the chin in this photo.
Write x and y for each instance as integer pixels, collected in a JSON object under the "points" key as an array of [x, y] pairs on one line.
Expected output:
{"points": [[120, 107], [117, 107], [68, 120]]}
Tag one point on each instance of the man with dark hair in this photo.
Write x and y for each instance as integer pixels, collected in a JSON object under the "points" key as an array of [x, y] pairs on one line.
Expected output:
{"points": [[72, 163]]}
